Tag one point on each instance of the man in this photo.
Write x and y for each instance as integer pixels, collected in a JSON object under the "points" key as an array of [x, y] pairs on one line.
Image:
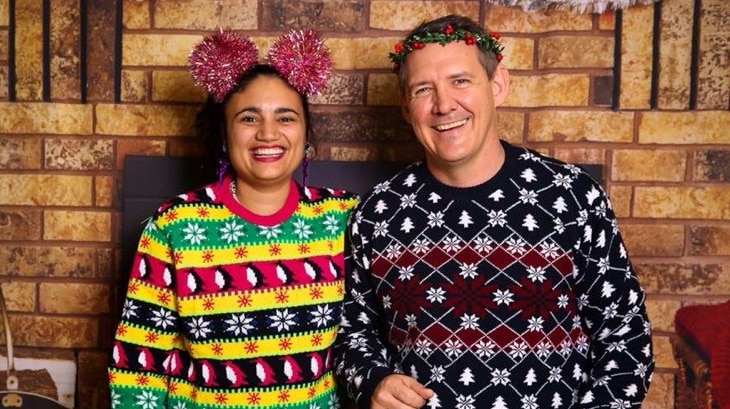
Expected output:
{"points": [[489, 276]]}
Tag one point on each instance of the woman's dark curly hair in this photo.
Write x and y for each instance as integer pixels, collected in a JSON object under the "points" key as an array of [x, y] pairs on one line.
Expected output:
{"points": [[210, 121]]}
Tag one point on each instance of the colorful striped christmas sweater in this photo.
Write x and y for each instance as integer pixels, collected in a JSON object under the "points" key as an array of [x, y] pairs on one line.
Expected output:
{"points": [[228, 309]]}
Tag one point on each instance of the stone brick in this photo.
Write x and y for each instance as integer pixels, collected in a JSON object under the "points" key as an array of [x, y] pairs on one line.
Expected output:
{"points": [[168, 50], [353, 154], [134, 86], [661, 313], [621, 200], [663, 357], [518, 53], [575, 52], [711, 166], [361, 53], [382, 90], [595, 156], [55, 331], [145, 120], [28, 50], [76, 225], [65, 52], [103, 191], [713, 85], [684, 278], [636, 58], [19, 225], [206, 14], [57, 261], [649, 165], [653, 239], [175, 86], [136, 14], [675, 54], [602, 90], [73, 298], [3, 80], [572, 126], [555, 90], [693, 127], [39, 118], [406, 15], [45, 190], [331, 15], [3, 44], [105, 260], [20, 153], [79, 154], [138, 147], [373, 125], [4, 13], [661, 392], [516, 20], [188, 147], [343, 89], [709, 241], [607, 20], [20, 296], [100, 57], [511, 126], [684, 202]]}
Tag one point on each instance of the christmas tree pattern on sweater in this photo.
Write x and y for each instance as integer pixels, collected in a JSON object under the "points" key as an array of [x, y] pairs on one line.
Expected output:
{"points": [[227, 309], [515, 294]]}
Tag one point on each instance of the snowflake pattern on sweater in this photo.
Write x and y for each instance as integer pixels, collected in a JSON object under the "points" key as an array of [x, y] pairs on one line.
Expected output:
{"points": [[228, 309], [514, 294]]}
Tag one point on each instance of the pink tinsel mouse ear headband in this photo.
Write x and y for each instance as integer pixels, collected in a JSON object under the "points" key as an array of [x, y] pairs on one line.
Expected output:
{"points": [[300, 57]]}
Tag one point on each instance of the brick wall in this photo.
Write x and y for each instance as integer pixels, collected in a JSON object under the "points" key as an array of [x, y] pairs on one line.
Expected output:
{"points": [[80, 89]]}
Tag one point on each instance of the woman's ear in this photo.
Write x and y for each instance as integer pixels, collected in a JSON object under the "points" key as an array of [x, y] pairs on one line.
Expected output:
{"points": [[500, 84]]}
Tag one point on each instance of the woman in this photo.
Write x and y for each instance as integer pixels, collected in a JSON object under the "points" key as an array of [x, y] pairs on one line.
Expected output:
{"points": [[234, 296]]}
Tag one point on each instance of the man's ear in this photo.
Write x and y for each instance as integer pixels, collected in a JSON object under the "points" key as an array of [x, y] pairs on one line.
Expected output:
{"points": [[500, 84]]}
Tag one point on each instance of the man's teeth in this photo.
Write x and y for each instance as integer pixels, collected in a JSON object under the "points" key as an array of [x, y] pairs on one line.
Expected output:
{"points": [[268, 151], [446, 127]]}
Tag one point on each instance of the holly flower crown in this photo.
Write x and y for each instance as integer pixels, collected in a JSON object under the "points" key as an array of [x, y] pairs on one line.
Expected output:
{"points": [[489, 42], [219, 60]]}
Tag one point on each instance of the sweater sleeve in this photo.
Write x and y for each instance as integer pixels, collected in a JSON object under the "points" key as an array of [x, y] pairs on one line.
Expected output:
{"points": [[611, 303], [146, 335], [361, 357]]}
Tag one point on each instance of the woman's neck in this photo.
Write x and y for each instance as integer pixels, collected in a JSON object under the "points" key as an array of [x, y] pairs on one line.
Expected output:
{"points": [[261, 200]]}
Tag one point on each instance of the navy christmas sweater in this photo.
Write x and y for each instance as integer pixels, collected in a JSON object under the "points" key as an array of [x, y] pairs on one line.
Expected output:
{"points": [[514, 294]]}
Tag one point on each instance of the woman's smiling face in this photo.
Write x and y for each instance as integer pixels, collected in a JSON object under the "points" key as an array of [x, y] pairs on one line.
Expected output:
{"points": [[265, 131]]}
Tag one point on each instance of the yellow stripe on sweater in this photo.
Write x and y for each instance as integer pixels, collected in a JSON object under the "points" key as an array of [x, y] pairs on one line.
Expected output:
{"points": [[262, 397], [266, 299], [251, 348]]}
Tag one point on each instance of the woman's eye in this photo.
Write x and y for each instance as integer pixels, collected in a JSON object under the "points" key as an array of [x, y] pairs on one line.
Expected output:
{"points": [[248, 118]]}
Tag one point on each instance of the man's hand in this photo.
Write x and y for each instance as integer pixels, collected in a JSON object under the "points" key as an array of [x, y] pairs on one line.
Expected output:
{"points": [[399, 392]]}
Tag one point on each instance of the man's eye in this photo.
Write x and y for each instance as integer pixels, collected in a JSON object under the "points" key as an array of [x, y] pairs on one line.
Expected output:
{"points": [[461, 81], [420, 91]]}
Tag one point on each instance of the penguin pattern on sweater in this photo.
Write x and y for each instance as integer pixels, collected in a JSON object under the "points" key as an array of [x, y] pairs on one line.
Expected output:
{"points": [[229, 309], [514, 294]]}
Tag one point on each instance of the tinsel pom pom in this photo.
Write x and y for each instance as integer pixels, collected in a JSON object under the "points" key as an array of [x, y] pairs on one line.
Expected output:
{"points": [[303, 59], [218, 61]]}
